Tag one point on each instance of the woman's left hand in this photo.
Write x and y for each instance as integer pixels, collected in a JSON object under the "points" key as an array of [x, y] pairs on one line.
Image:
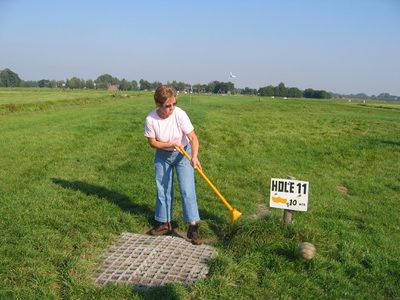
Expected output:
{"points": [[195, 163]]}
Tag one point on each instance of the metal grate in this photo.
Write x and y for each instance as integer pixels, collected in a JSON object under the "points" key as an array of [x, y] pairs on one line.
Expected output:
{"points": [[148, 261]]}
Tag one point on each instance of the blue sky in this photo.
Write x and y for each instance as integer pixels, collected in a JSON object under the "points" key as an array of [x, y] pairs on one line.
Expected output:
{"points": [[341, 46]]}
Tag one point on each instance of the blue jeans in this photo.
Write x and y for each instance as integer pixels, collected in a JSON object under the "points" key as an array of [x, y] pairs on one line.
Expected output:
{"points": [[165, 163]]}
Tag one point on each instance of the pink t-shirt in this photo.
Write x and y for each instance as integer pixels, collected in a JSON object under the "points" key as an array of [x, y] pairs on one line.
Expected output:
{"points": [[170, 130]]}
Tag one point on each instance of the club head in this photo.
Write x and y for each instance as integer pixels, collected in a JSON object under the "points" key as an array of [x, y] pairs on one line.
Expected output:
{"points": [[235, 214]]}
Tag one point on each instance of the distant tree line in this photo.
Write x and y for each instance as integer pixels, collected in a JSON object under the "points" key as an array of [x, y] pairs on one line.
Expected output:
{"points": [[381, 96], [217, 87], [282, 91], [10, 79], [310, 93], [249, 91]]}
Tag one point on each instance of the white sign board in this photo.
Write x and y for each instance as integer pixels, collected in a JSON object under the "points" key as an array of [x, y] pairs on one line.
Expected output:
{"points": [[289, 194]]}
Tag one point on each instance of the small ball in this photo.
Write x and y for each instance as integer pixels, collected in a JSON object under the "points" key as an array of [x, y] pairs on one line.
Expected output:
{"points": [[307, 250]]}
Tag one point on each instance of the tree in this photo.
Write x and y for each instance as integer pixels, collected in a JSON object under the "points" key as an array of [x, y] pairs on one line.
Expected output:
{"points": [[73, 83], [201, 88], [324, 95], [248, 91], [89, 84], [267, 91], [102, 84], [29, 83], [105, 80], [155, 85], [384, 95], [114, 81], [60, 83], [124, 85], [134, 85], [82, 83], [178, 86], [52, 84], [145, 85], [308, 93], [281, 90], [9, 79], [43, 83], [317, 94], [211, 86], [294, 92], [224, 87], [25, 84], [181, 86]]}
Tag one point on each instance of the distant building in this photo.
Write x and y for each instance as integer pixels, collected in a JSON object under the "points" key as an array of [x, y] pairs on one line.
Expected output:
{"points": [[113, 88]]}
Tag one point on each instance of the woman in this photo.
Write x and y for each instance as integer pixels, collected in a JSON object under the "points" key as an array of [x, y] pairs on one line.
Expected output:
{"points": [[168, 128]]}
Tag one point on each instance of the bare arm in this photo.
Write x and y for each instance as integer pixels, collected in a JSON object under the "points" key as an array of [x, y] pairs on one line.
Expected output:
{"points": [[160, 145], [194, 143]]}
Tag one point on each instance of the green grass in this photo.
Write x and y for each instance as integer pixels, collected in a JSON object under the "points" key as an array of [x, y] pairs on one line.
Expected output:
{"points": [[74, 178], [15, 100]]}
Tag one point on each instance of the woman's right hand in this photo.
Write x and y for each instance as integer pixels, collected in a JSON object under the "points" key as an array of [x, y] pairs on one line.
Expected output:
{"points": [[177, 147]]}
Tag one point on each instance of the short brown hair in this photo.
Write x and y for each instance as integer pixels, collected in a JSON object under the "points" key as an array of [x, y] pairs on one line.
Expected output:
{"points": [[163, 93]]}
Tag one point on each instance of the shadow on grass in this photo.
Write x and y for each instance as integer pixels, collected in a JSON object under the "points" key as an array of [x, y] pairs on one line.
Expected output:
{"points": [[391, 143], [207, 215], [101, 192], [167, 292]]}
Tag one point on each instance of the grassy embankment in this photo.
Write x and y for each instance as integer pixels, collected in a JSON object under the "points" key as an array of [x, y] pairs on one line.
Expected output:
{"points": [[17, 100], [73, 179]]}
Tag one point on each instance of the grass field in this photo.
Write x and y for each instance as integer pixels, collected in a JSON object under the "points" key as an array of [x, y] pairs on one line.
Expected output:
{"points": [[14, 100], [73, 178]]}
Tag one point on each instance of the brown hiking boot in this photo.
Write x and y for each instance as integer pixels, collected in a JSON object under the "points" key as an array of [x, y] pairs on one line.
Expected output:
{"points": [[163, 229], [194, 235]]}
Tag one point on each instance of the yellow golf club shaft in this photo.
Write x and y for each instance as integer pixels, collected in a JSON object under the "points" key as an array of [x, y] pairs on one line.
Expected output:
{"points": [[209, 182]]}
